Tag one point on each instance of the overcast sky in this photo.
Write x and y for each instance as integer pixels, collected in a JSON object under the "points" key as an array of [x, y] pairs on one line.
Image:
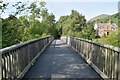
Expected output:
{"points": [[89, 8]]}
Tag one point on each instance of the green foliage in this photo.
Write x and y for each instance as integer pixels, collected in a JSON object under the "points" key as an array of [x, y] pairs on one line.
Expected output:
{"points": [[71, 24], [16, 30], [113, 18], [41, 23], [75, 25], [111, 39], [88, 32], [10, 34]]}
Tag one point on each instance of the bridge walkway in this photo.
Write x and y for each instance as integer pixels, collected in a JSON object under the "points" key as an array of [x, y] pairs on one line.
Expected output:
{"points": [[60, 61]]}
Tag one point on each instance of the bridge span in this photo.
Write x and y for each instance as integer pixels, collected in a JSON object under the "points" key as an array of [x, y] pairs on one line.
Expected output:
{"points": [[60, 61], [65, 58]]}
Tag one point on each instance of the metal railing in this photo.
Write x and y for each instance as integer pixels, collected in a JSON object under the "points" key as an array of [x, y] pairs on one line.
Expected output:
{"points": [[105, 59], [17, 59]]}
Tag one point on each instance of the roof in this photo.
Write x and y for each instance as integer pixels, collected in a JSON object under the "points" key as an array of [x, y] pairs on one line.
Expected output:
{"points": [[105, 25]]}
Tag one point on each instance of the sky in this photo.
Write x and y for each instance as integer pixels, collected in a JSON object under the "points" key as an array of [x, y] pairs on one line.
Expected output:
{"points": [[89, 8]]}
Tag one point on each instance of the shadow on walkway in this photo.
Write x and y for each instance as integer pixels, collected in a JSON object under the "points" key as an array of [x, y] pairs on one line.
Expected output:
{"points": [[60, 61]]}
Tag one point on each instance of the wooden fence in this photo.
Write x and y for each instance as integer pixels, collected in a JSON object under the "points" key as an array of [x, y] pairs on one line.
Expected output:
{"points": [[17, 59], [105, 59]]}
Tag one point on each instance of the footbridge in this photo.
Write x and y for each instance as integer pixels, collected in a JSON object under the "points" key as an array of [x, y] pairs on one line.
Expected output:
{"points": [[65, 58]]}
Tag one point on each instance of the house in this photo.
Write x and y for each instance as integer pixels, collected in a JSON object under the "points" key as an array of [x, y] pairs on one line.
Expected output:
{"points": [[103, 29]]}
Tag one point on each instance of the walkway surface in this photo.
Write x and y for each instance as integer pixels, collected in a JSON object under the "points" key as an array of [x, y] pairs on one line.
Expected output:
{"points": [[60, 61]]}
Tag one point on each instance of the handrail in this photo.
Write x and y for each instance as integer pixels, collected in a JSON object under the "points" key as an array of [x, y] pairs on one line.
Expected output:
{"points": [[100, 44], [17, 59], [19, 45], [105, 59]]}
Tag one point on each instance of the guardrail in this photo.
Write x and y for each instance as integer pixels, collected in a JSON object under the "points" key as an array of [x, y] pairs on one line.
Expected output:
{"points": [[17, 59], [105, 59]]}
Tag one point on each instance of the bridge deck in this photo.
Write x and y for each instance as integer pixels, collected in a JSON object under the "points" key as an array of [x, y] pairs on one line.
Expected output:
{"points": [[60, 61]]}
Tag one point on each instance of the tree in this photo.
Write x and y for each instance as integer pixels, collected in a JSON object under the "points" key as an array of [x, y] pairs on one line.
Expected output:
{"points": [[89, 32], [16, 30], [71, 24], [10, 34], [111, 39]]}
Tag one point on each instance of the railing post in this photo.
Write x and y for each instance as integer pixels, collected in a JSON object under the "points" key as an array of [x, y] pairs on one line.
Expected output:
{"points": [[47, 39], [68, 40]]}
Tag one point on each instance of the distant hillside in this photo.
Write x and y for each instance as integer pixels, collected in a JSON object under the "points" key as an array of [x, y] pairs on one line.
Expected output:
{"points": [[99, 17], [113, 18], [105, 18]]}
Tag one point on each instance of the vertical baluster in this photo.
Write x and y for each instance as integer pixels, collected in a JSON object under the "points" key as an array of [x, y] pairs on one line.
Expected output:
{"points": [[15, 63], [118, 67], [6, 65], [40, 45], [80, 46], [23, 58], [10, 75], [12, 71], [109, 63], [28, 50], [87, 50], [37, 47], [3, 67], [113, 64], [20, 59], [75, 44], [105, 66], [33, 49], [12, 64]]}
